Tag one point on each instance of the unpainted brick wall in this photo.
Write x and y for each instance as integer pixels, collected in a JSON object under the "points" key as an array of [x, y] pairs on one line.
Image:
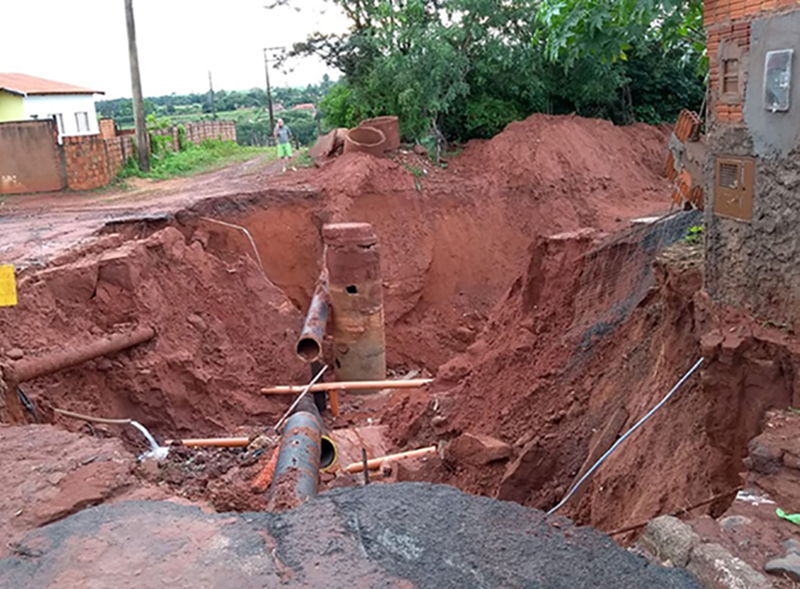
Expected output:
{"points": [[108, 128], [86, 162], [118, 151], [728, 21]]}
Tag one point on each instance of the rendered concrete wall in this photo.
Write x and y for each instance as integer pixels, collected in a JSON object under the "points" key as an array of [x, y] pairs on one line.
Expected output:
{"points": [[755, 265], [29, 157], [11, 107], [68, 106]]}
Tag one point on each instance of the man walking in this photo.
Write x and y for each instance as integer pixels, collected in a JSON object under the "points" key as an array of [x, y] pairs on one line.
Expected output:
{"points": [[282, 136]]}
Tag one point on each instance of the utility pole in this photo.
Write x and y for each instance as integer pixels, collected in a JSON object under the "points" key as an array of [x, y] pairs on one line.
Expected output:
{"points": [[211, 91], [139, 121], [269, 89]]}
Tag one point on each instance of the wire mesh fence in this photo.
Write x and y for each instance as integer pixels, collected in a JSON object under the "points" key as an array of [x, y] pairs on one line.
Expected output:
{"points": [[618, 274]]}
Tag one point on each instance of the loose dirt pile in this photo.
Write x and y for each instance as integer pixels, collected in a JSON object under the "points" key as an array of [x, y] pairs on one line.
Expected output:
{"points": [[223, 331]]}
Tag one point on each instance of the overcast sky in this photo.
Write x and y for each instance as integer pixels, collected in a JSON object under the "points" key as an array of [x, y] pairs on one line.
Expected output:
{"points": [[84, 42]]}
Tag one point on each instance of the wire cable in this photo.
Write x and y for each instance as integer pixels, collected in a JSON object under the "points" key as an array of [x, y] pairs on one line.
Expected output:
{"points": [[649, 414]]}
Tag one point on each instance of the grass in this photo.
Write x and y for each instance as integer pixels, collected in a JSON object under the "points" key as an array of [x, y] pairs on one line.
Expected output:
{"points": [[211, 154]]}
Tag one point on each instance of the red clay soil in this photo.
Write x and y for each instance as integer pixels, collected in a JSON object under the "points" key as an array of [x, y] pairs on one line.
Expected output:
{"points": [[750, 529], [454, 239], [223, 331], [453, 242], [550, 390]]}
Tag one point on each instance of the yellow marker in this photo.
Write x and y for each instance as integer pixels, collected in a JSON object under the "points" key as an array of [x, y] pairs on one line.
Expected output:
{"points": [[8, 286]]}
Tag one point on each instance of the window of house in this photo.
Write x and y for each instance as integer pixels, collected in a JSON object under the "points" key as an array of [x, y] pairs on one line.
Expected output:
{"points": [[730, 76], [59, 122], [82, 122]]}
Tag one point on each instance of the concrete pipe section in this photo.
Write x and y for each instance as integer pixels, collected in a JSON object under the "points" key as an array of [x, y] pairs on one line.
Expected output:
{"points": [[365, 139], [389, 126], [353, 259]]}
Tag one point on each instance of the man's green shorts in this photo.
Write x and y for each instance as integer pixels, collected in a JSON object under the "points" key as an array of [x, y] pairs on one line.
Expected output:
{"points": [[284, 150]]}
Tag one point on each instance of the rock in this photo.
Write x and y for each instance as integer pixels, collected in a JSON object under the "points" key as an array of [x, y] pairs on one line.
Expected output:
{"points": [[791, 461], [735, 522], [429, 469], [103, 364], [197, 322], [668, 538], [15, 354], [763, 459], [791, 545], [420, 150], [72, 283], [454, 370], [716, 568], [119, 269], [534, 465], [786, 567], [477, 450]]}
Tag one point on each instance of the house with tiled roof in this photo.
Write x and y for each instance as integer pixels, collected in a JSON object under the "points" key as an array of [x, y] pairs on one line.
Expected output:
{"points": [[24, 97]]}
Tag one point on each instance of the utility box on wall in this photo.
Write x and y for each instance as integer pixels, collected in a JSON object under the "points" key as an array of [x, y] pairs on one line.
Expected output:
{"points": [[733, 187]]}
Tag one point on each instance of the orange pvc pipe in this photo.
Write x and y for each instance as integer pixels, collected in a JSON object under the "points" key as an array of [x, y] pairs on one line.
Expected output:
{"points": [[376, 463], [353, 385]]}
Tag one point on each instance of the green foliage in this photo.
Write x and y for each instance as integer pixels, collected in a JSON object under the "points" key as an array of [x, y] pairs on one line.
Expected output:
{"points": [[473, 66], [195, 158], [182, 142], [339, 108], [694, 235]]}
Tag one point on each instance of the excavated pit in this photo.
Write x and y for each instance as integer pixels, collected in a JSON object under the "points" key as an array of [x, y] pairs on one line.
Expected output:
{"points": [[514, 276]]}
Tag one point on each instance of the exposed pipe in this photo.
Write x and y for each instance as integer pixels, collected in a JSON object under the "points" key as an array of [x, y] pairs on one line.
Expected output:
{"points": [[246, 232], [24, 370], [352, 385], [300, 398], [624, 436], [210, 442], [309, 345], [376, 463], [156, 451], [304, 451]]}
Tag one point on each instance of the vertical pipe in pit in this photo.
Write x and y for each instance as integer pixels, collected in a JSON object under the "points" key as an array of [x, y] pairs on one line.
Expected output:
{"points": [[353, 260]]}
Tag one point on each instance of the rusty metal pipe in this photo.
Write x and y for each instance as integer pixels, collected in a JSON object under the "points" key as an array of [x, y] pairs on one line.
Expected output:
{"points": [[309, 345], [297, 471], [304, 450], [26, 370]]}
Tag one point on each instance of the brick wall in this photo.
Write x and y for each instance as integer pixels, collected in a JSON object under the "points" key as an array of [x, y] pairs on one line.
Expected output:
{"points": [[108, 128], [86, 162], [727, 24], [118, 151], [198, 132]]}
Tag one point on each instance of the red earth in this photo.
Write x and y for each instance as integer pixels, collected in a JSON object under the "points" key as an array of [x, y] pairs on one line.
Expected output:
{"points": [[513, 274]]}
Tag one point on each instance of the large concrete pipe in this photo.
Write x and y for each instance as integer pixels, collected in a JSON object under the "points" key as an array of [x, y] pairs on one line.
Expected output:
{"points": [[356, 295], [304, 450], [29, 369], [309, 344], [366, 140], [389, 126]]}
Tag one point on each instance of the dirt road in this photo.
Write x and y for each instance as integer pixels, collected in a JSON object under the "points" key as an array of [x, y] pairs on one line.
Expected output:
{"points": [[34, 228]]}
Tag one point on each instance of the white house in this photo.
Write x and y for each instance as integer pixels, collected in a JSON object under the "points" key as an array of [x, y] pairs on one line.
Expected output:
{"points": [[24, 97]]}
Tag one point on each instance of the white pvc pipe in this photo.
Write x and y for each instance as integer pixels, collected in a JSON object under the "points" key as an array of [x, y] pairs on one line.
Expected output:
{"points": [[649, 414]]}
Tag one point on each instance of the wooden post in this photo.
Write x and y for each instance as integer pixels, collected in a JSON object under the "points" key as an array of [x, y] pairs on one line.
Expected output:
{"points": [[139, 120]]}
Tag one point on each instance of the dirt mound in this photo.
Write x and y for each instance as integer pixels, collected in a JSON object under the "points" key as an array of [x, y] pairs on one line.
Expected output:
{"points": [[454, 238], [595, 170], [223, 331]]}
